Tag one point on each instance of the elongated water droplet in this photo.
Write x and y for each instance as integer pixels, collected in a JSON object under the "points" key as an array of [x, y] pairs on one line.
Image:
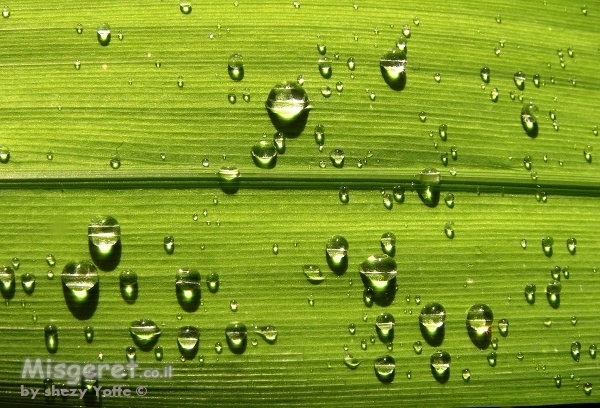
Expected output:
{"points": [[385, 368], [555, 272], [320, 134], [50, 260], [553, 293], [169, 244], [229, 179], [339, 86], [187, 288], [449, 200], [264, 154], [325, 69], [313, 274], [212, 282], [558, 381], [587, 153], [80, 283], [519, 79], [423, 116], [572, 245], [28, 283], [103, 34], [233, 305], [576, 350], [128, 284], [279, 142], [384, 325], [158, 353], [440, 366], [529, 118], [492, 358], [592, 351], [130, 353], [104, 242], [336, 254], [235, 67], [378, 273], [431, 323], [288, 107], [547, 243], [443, 132], [484, 73], [236, 335], [351, 64], [418, 347], [530, 293], [466, 375], [449, 229], [428, 190], [587, 388], [503, 327], [88, 334], [268, 333], [388, 243], [344, 195], [494, 95], [393, 69], [51, 338], [188, 339], [479, 325], [388, 203]]}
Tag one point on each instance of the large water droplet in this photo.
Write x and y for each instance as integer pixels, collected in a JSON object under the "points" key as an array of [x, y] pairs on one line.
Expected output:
{"points": [[378, 273], [553, 293], [264, 154], [128, 284], [288, 107], [187, 288], [229, 179], [431, 322], [440, 366], [7, 282], [547, 243], [384, 325], [313, 274], [479, 325], [51, 338], [103, 34], [268, 333], [235, 67], [388, 243], [336, 253], [385, 369], [393, 69], [80, 283], [145, 333], [428, 190], [236, 335], [104, 242], [188, 339], [529, 118]]}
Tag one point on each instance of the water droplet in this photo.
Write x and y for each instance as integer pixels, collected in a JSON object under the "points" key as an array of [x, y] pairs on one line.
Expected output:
{"points": [[264, 154], [352, 329], [311, 301], [497, 51], [422, 116], [288, 107], [158, 353], [587, 388], [519, 79], [449, 200], [104, 235], [4, 154], [187, 289], [503, 327], [495, 343], [236, 335], [296, 4], [115, 162], [466, 375], [553, 293], [484, 73], [130, 353], [28, 283], [440, 366], [494, 95], [449, 229], [548, 322], [319, 134], [392, 66], [547, 243], [555, 273], [325, 68], [491, 358], [388, 243], [103, 34], [337, 158], [128, 284], [7, 282], [343, 195], [80, 288], [388, 203], [572, 245], [77, 65], [79, 28], [584, 10], [429, 191], [145, 333], [592, 351], [576, 350], [398, 194], [169, 244], [185, 8], [212, 281], [50, 275], [378, 273], [231, 96], [188, 338], [229, 179], [438, 77], [498, 19], [384, 325], [406, 30], [51, 338], [431, 323], [443, 132], [479, 325], [313, 274], [573, 320], [336, 253], [233, 305], [558, 381], [88, 334], [339, 86], [235, 67], [351, 362], [520, 356], [385, 368]]}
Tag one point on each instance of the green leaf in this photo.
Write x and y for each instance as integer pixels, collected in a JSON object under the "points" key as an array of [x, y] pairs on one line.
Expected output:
{"points": [[158, 100]]}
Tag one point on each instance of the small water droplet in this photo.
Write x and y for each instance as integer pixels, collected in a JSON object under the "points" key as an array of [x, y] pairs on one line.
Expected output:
{"points": [[80, 288], [584, 10], [398, 194], [115, 162], [555, 273], [384, 325], [572, 245], [576, 350], [385, 368], [449, 200], [79, 28], [536, 80], [218, 347], [503, 327], [484, 73], [498, 19], [336, 253], [130, 353], [233, 305], [185, 8], [437, 77], [325, 68], [494, 95], [28, 283], [103, 34], [236, 335], [519, 80], [351, 362], [4, 154], [388, 243], [344, 195], [50, 275], [573, 320], [449, 229], [553, 293], [440, 366], [128, 283], [587, 388], [311, 301], [322, 49], [158, 353], [592, 351], [548, 322], [492, 358], [466, 375], [352, 329], [388, 203], [520, 356], [169, 244], [188, 338], [212, 281], [558, 381], [51, 338], [479, 325], [547, 243]]}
